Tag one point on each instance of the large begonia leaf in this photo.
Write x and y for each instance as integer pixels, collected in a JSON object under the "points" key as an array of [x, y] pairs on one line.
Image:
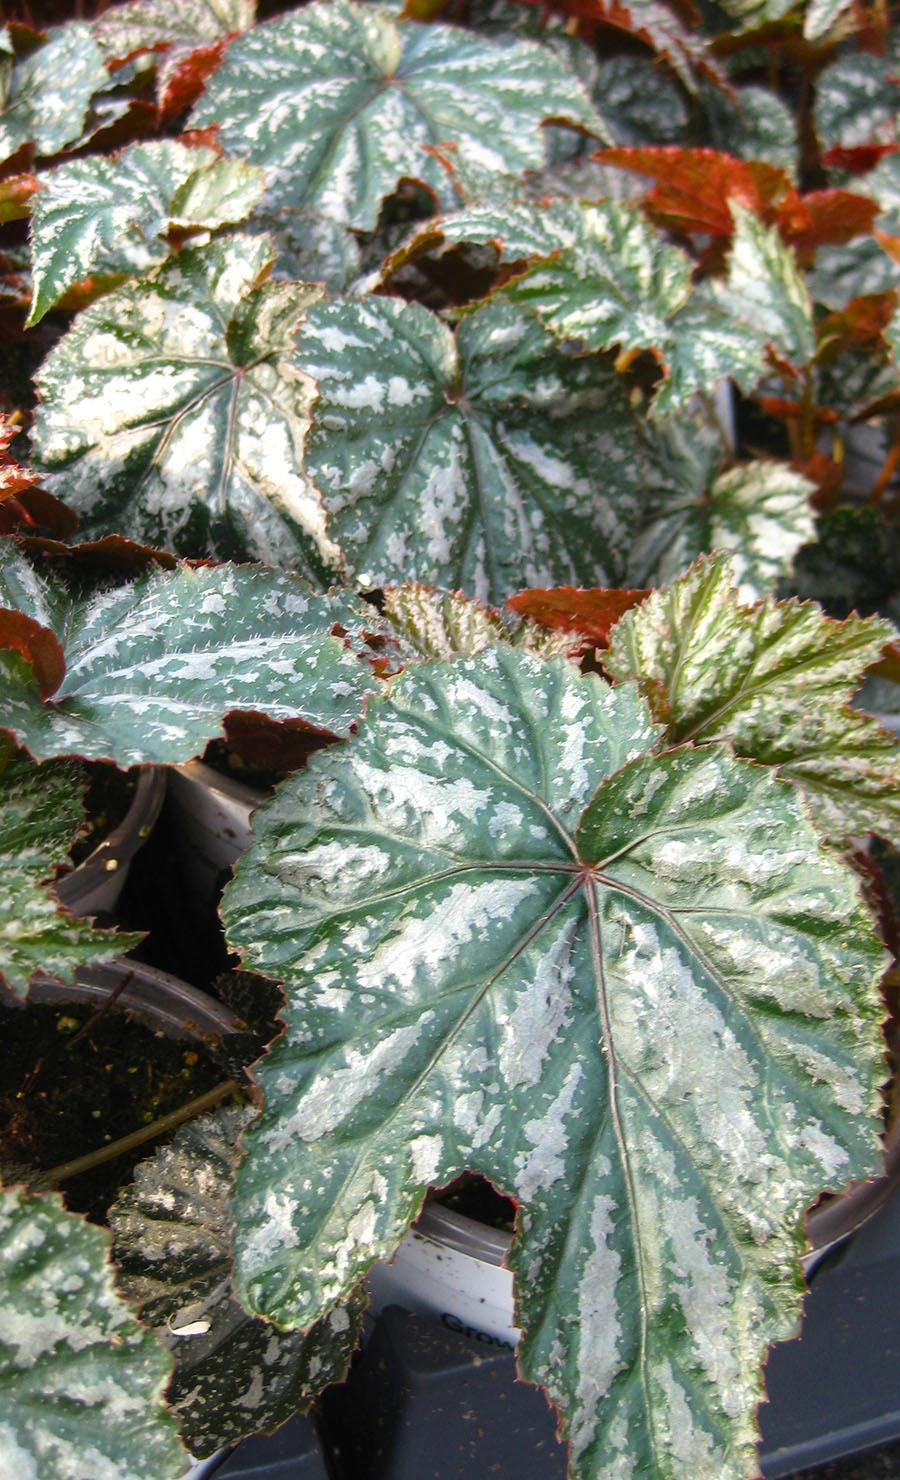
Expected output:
{"points": [[653, 1022], [759, 512], [189, 34], [486, 461], [172, 1229], [81, 1382], [430, 623], [775, 679], [340, 102], [108, 217], [40, 816], [153, 667], [48, 93], [172, 409]]}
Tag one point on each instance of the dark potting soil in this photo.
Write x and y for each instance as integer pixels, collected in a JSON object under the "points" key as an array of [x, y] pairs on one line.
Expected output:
{"points": [[65, 1094], [474, 1197], [109, 795]]}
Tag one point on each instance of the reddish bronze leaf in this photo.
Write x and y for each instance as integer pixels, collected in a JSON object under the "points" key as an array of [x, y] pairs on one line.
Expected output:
{"points": [[695, 186], [181, 87], [39, 647], [591, 611], [834, 218], [858, 160], [15, 196]]}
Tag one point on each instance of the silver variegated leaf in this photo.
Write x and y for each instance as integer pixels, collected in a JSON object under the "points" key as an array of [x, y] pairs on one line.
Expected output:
{"points": [[632, 989], [821, 15], [608, 279], [108, 217], [310, 248], [775, 680], [486, 460], [759, 512], [429, 623], [234, 1374], [173, 409], [176, 30], [765, 289], [750, 122], [152, 668], [81, 1383], [40, 816], [751, 14], [340, 102], [49, 92], [604, 277], [856, 269], [181, 25], [641, 103], [858, 101]]}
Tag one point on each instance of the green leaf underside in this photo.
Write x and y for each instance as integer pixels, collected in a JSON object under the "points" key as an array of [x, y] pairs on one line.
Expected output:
{"points": [[445, 624], [81, 1382], [487, 461], [40, 815], [603, 276], [108, 216], [234, 1375], [339, 103], [661, 1058], [172, 409], [758, 512], [775, 680], [51, 91], [153, 667]]}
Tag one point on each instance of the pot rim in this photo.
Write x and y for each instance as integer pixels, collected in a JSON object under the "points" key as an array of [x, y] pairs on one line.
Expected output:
{"points": [[120, 845], [154, 998], [198, 773]]}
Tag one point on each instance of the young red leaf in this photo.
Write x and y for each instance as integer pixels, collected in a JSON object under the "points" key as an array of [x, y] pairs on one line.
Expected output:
{"points": [[15, 196], [861, 325], [857, 160], [592, 611], [834, 218], [695, 185], [39, 647]]}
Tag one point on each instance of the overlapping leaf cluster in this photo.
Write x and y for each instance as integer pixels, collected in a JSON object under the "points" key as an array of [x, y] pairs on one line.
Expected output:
{"points": [[536, 358]]}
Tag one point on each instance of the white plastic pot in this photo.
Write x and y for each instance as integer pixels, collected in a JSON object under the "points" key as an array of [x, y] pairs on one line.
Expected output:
{"points": [[213, 815], [451, 1268], [95, 885]]}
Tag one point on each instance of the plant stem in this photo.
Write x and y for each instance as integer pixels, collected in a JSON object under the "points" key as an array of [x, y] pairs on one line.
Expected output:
{"points": [[207, 1101]]}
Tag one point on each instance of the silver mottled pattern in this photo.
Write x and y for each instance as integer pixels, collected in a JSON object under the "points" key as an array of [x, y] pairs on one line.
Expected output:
{"points": [[629, 987], [107, 217], [486, 460], [775, 679], [234, 1375], [173, 409], [40, 816], [341, 101], [81, 1381], [153, 667]]}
